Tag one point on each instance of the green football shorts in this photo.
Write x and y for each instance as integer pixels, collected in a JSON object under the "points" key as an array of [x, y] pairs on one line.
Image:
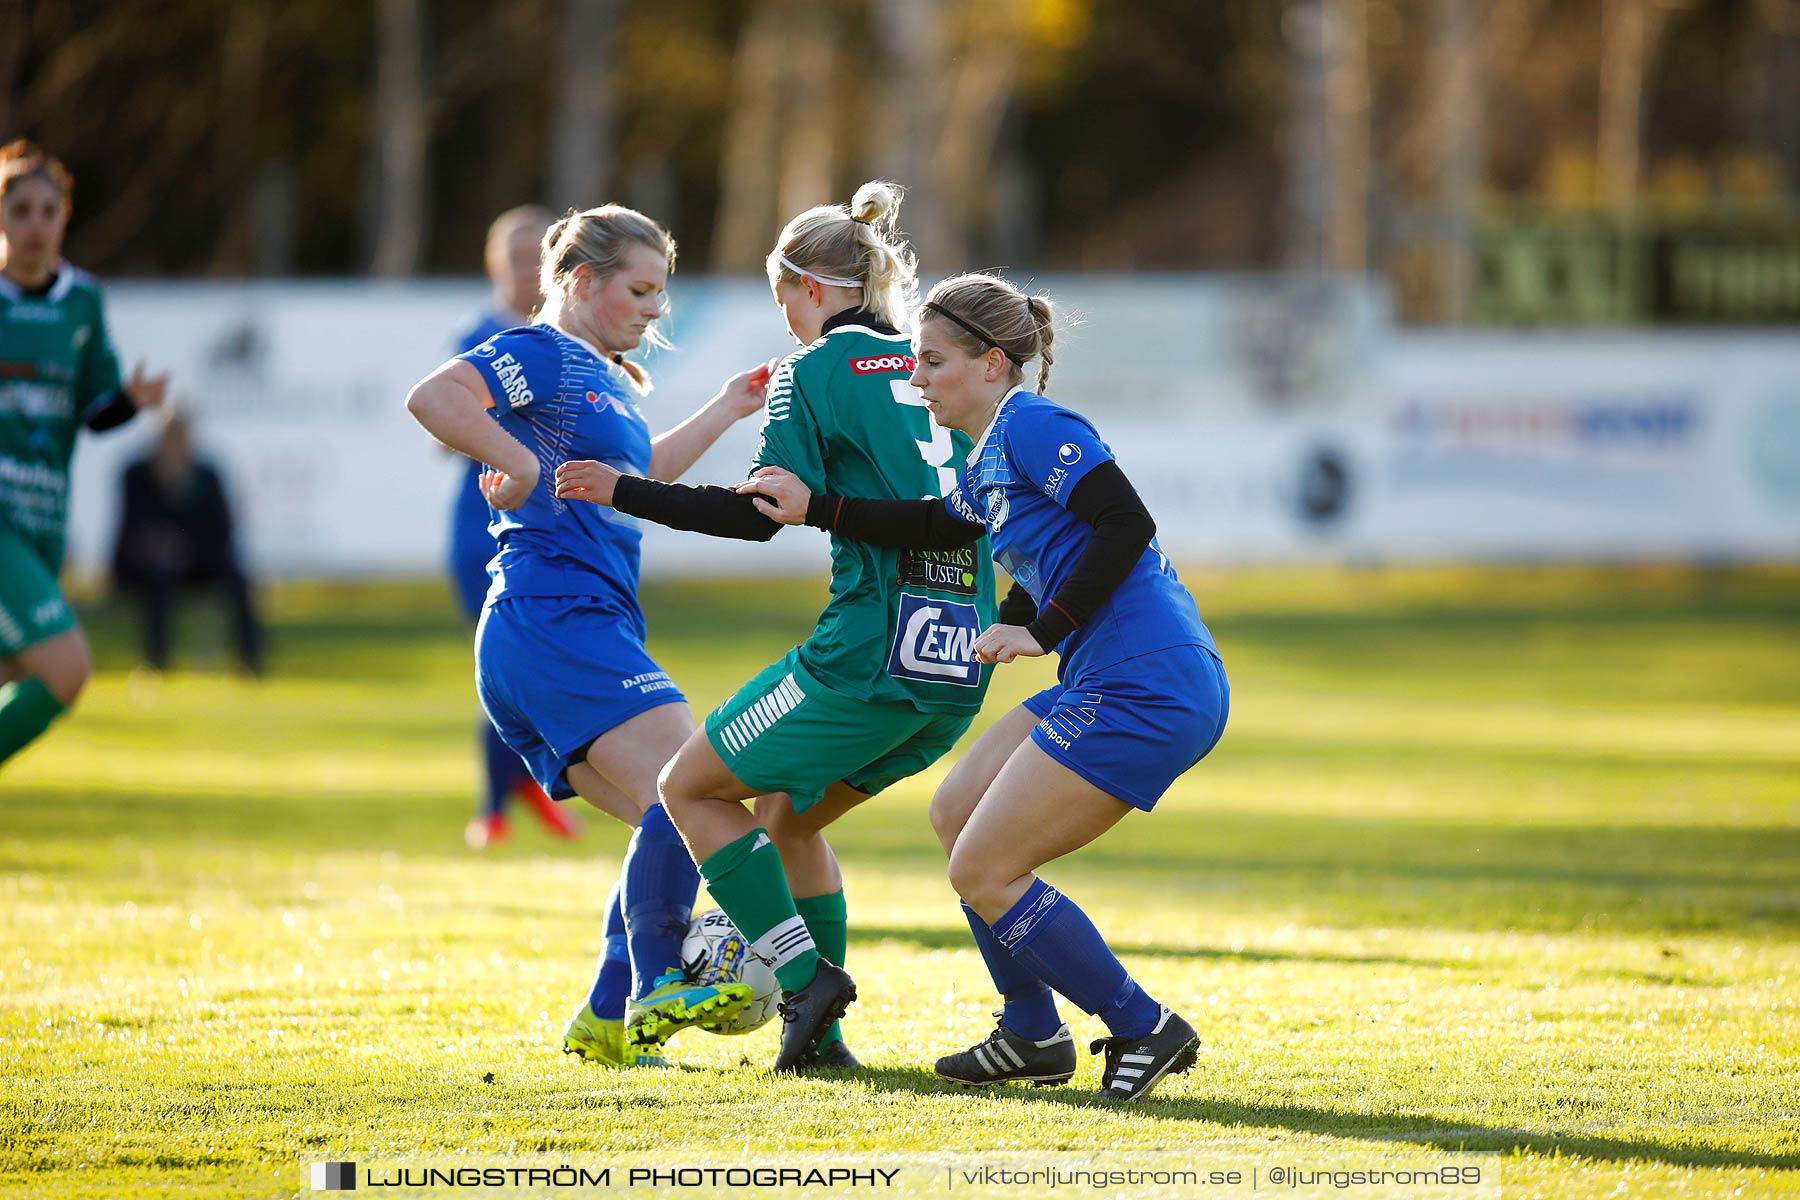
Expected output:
{"points": [[32, 607], [784, 731]]}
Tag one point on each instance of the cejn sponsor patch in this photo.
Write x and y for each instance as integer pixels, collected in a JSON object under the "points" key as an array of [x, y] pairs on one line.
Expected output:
{"points": [[934, 642], [884, 363]]}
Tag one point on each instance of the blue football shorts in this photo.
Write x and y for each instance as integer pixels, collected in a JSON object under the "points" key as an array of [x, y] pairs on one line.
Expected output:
{"points": [[1131, 728], [556, 672]]}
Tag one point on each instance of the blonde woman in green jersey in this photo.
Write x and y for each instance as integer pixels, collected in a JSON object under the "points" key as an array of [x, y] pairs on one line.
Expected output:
{"points": [[888, 681], [58, 372]]}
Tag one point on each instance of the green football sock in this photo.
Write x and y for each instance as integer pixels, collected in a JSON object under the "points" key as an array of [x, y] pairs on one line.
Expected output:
{"points": [[828, 920], [747, 879], [26, 709]]}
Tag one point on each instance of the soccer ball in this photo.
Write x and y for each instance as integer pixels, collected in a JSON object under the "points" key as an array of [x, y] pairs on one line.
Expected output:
{"points": [[715, 952]]}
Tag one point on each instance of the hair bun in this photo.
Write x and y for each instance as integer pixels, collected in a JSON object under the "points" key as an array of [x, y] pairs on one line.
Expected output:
{"points": [[876, 202]]}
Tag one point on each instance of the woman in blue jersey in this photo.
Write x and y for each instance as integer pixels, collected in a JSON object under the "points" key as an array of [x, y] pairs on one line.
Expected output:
{"points": [[560, 661], [512, 254], [1141, 694]]}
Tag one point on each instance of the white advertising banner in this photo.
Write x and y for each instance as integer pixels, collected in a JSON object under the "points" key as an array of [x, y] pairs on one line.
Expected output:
{"points": [[1263, 419]]}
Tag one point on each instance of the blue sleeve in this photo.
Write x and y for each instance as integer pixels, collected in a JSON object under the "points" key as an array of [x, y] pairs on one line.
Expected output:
{"points": [[957, 504], [521, 366], [1052, 449], [478, 331]]}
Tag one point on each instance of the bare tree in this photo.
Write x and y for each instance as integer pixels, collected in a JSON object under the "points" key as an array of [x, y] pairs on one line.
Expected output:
{"points": [[748, 165], [1630, 32], [1328, 164], [582, 146], [400, 212]]}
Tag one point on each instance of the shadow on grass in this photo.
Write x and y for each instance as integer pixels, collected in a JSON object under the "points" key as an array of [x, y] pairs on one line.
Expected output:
{"points": [[958, 939], [1419, 1129]]}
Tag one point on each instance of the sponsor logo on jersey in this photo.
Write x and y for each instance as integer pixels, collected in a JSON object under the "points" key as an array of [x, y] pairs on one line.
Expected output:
{"points": [[998, 508], [487, 349], [512, 377], [963, 508], [881, 364], [950, 571], [1054, 484], [1069, 455], [934, 642]]}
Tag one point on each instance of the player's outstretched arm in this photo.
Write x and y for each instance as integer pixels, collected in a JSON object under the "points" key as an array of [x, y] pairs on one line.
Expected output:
{"points": [[718, 511], [672, 453], [906, 524]]}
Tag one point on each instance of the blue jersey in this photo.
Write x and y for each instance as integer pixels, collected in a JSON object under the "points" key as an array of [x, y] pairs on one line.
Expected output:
{"points": [[1016, 482], [471, 545], [563, 399]]}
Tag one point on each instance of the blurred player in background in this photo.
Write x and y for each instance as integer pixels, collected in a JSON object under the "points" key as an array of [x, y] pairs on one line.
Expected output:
{"points": [[560, 660], [175, 535], [514, 248], [58, 372], [887, 682], [1140, 697]]}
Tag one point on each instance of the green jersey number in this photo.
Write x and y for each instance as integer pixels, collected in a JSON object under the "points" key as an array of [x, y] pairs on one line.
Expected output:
{"points": [[938, 450]]}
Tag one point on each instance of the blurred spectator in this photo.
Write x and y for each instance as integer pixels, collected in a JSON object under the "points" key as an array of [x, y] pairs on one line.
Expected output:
{"points": [[175, 535]]}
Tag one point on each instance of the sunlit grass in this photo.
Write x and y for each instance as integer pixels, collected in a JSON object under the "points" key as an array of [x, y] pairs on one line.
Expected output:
{"points": [[1507, 861]]}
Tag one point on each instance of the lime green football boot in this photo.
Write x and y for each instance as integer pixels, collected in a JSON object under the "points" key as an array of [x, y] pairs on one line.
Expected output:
{"points": [[675, 1003], [599, 1040]]}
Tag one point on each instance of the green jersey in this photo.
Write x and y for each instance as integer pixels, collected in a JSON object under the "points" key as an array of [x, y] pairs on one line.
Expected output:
{"points": [[901, 624], [57, 367]]}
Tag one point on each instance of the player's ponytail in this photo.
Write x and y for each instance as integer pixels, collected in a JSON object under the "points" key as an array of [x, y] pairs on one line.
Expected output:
{"points": [[21, 159], [598, 238], [853, 246], [985, 312]]}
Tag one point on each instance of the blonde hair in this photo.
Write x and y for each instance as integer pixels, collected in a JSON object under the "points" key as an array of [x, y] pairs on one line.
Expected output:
{"points": [[22, 159], [599, 238], [852, 246], [987, 312]]}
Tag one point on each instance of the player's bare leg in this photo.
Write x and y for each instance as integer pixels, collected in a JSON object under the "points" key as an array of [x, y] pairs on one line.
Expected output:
{"points": [[660, 883], [744, 873], [975, 772]]}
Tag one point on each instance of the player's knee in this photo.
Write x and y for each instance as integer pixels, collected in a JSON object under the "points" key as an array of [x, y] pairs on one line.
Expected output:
{"points": [[66, 671], [972, 877], [949, 813], [776, 814]]}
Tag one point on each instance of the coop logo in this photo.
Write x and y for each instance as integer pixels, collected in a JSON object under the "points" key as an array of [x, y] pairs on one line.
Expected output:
{"points": [[884, 363], [334, 1177], [934, 642]]}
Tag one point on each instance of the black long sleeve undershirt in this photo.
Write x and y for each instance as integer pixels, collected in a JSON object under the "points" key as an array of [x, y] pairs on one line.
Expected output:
{"points": [[117, 410], [719, 511], [1103, 499]]}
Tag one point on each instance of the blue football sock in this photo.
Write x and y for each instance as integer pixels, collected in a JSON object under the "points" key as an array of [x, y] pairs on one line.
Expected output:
{"points": [[1048, 933], [660, 882], [612, 976], [503, 769], [1030, 1007]]}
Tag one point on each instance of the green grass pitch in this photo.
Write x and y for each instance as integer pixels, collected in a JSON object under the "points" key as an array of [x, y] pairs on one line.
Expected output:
{"points": [[1503, 861]]}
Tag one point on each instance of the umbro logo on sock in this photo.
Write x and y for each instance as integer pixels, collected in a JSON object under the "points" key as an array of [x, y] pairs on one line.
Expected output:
{"points": [[762, 839]]}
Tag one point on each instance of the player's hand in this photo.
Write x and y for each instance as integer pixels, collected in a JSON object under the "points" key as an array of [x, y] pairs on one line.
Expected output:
{"points": [[744, 393], [1003, 643], [507, 492], [780, 495], [146, 391], [585, 479]]}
